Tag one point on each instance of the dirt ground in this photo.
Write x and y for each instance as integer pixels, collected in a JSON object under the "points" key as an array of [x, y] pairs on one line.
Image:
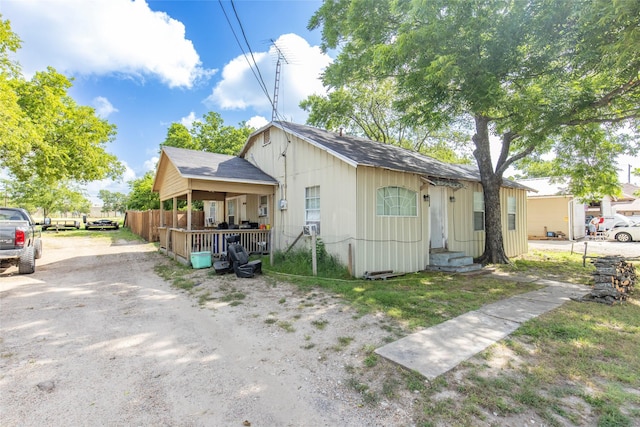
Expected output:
{"points": [[95, 337]]}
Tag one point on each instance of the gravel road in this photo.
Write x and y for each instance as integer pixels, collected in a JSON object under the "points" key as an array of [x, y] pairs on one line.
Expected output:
{"points": [[95, 337]]}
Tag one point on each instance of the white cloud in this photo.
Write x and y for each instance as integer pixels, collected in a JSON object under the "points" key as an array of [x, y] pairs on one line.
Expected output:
{"points": [[299, 78], [104, 37], [150, 164], [257, 122], [103, 107], [189, 120]]}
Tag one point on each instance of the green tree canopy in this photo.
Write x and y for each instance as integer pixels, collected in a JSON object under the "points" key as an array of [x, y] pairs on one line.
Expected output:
{"points": [[537, 75], [209, 134], [141, 196], [45, 136], [113, 201], [61, 196], [366, 110], [71, 140]]}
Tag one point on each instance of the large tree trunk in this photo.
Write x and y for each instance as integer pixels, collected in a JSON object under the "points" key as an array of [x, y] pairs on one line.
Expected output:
{"points": [[491, 182]]}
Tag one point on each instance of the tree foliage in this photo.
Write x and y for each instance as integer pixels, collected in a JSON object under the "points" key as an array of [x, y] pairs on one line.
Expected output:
{"points": [[72, 139], [539, 76], [141, 196], [62, 196], [113, 201], [366, 110], [46, 138], [209, 134]]}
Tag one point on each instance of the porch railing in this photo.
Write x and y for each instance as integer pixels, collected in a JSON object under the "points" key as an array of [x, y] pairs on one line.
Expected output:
{"points": [[180, 243]]}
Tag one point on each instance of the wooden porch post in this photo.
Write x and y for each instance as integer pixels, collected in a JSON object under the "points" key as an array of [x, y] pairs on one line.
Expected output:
{"points": [[175, 212], [161, 214], [189, 210]]}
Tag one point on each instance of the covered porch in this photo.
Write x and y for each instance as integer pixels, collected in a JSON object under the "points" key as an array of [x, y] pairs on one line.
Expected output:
{"points": [[238, 199]]}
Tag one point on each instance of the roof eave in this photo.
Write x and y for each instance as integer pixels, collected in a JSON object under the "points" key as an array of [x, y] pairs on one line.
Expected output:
{"points": [[237, 180]]}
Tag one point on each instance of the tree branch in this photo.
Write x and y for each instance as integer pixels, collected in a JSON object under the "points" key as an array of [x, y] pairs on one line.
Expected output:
{"points": [[521, 155], [606, 99], [507, 138], [617, 119]]}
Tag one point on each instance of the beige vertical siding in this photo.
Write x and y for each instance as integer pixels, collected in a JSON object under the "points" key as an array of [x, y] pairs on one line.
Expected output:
{"points": [[400, 244], [515, 241], [302, 166], [463, 238], [348, 208], [549, 212]]}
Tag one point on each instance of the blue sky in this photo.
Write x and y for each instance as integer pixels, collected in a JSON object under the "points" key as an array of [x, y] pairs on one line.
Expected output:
{"points": [[146, 64]]}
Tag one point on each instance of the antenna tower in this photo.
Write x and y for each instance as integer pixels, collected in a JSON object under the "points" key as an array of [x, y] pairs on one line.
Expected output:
{"points": [[276, 86]]}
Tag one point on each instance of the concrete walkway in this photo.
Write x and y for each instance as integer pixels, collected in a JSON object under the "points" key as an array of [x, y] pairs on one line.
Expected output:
{"points": [[436, 350]]}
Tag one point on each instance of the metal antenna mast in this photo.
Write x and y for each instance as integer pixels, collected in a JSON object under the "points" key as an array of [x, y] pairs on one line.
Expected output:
{"points": [[276, 86]]}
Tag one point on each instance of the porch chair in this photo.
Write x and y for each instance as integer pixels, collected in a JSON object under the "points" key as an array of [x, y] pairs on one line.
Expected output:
{"points": [[239, 259]]}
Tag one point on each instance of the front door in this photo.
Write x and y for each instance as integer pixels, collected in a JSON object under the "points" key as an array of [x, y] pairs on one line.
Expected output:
{"points": [[438, 217]]}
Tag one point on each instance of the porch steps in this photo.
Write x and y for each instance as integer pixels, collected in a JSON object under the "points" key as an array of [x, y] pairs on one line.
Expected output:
{"points": [[452, 262]]}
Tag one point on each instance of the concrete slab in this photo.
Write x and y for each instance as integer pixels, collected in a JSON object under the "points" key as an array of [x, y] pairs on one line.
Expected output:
{"points": [[518, 309], [440, 348], [563, 292], [436, 350]]}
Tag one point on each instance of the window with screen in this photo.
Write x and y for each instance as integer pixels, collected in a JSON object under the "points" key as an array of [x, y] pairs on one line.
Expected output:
{"points": [[312, 207], [511, 213], [478, 211]]}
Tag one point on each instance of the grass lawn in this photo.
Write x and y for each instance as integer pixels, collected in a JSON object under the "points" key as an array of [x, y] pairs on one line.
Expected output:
{"points": [[114, 235], [576, 365]]}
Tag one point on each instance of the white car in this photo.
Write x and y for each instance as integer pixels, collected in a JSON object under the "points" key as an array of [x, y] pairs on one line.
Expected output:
{"points": [[629, 233]]}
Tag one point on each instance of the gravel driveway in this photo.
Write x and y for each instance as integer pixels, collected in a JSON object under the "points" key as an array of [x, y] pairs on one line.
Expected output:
{"points": [[95, 337], [594, 248]]}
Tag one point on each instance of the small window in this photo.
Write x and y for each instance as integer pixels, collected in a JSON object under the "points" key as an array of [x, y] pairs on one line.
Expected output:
{"points": [[231, 210], [511, 213], [312, 207], [478, 211], [266, 137], [212, 213], [262, 208], [396, 201]]}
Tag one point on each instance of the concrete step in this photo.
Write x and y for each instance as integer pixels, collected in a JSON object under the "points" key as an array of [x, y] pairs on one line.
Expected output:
{"points": [[461, 261], [455, 269], [442, 258]]}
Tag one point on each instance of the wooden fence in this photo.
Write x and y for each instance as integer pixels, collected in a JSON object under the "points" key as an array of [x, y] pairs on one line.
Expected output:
{"points": [[145, 223]]}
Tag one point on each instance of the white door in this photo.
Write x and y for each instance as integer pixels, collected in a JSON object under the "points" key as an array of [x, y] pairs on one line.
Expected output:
{"points": [[438, 217]]}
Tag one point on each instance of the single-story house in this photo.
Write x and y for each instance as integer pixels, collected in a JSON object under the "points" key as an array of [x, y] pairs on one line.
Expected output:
{"points": [[375, 206], [628, 204], [552, 209]]}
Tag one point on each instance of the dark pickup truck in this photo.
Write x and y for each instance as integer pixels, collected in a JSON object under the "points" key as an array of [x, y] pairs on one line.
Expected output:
{"points": [[20, 243]]}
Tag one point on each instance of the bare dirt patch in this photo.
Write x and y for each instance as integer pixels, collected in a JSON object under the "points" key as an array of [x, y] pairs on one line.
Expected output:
{"points": [[96, 337]]}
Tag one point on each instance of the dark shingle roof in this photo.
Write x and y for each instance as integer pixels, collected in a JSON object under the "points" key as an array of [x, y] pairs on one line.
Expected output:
{"points": [[220, 167], [365, 152]]}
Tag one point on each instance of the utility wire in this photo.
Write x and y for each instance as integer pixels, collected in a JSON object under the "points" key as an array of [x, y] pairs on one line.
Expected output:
{"points": [[244, 36], [254, 68], [256, 71], [259, 79]]}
